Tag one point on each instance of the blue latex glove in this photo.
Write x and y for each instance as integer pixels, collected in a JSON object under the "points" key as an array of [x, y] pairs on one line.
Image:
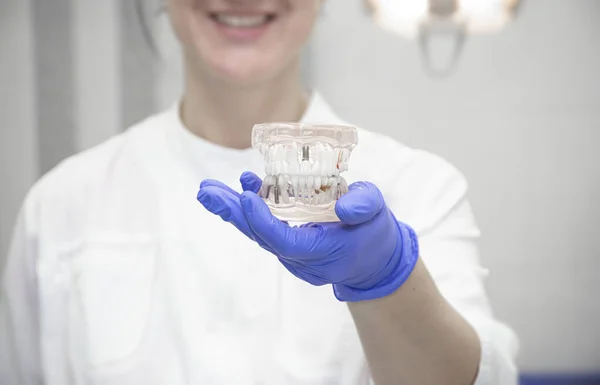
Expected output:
{"points": [[368, 255]]}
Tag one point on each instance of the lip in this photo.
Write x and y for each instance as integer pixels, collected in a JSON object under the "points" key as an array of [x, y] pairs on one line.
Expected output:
{"points": [[242, 34]]}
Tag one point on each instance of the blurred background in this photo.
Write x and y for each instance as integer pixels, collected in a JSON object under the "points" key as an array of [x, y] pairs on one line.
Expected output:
{"points": [[519, 116]]}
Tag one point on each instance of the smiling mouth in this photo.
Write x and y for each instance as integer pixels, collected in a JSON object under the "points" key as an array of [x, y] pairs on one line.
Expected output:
{"points": [[239, 21]]}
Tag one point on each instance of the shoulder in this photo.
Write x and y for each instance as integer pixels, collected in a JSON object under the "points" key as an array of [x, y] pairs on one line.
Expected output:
{"points": [[388, 162], [79, 170], [420, 187], [395, 163], [81, 175], [416, 183]]}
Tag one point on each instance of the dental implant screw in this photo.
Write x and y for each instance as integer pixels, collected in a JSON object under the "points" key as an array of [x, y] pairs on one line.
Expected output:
{"points": [[276, 194], [276, 191], [305, 153]]}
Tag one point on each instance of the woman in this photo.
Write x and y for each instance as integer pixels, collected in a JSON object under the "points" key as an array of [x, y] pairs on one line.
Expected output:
{"points": [[117, 275]]}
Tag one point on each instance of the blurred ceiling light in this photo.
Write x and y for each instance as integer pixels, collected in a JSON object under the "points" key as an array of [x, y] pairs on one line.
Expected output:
{"points": [[407, 17], [424, 18]]}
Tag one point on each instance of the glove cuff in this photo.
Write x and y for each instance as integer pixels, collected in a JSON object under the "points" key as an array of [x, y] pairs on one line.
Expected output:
{"points": [[406, 257]]}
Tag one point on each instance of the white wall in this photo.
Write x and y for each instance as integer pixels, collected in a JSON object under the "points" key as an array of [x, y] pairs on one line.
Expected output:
{"points": [[521, 119], [65, 69], [96, 60], [18, 146]]}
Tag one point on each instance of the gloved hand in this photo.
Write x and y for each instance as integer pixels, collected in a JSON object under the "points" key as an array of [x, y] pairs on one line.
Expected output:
{"points": [[368, 255]]}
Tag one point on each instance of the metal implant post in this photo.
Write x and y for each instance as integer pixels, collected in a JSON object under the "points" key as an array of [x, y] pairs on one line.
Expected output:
{"points": [[305, 153], [276, 191]]}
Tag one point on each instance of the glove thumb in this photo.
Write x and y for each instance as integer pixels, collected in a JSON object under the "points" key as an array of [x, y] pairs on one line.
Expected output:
{"points": [[250, 182], [360, 204]]}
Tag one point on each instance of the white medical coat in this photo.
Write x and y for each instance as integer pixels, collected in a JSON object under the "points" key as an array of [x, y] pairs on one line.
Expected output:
{"points": [[118, 276]]}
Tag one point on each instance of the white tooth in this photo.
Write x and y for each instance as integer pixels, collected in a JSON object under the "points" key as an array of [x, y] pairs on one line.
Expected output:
{"points": [[343, 160], [290, 157], [242, 21], [295, 185], [267, 181], [293, 154], [283, 189], [346, 158], [298, 190], [343, 184], [304, 168], [292, 161], [316, 167], [285, 196], [319, 150], [305, 190], [294, 167]]}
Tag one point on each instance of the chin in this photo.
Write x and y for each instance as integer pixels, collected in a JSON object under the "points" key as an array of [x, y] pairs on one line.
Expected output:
{"points": [[245, 71]]}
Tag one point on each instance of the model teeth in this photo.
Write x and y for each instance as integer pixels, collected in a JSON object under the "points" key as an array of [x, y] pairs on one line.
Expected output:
{"points": [[304, 174], [318, 161], [305, 189], [242, 21]]}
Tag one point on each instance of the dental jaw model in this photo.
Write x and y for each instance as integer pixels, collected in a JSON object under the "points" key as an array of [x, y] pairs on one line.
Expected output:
{"points": [[304, 164]]}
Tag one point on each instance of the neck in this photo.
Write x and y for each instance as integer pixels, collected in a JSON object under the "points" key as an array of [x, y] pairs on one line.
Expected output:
{"points": [[225, 114]]}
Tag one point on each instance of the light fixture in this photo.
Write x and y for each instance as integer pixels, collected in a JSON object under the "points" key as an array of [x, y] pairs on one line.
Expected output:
{"points": [[424, 19]]}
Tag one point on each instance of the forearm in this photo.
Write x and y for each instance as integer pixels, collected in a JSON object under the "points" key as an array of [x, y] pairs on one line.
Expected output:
{"points": [[414, 336]]}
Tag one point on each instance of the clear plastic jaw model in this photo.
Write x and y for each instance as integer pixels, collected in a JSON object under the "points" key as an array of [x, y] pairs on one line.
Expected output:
{"points": [[303, 164]]}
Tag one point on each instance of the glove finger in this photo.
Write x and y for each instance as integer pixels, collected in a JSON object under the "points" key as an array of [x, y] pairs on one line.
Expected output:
{"points": [[360, 204], [225, 204], [223, 201], [215, 183], [284, 240], [250, 182]]}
